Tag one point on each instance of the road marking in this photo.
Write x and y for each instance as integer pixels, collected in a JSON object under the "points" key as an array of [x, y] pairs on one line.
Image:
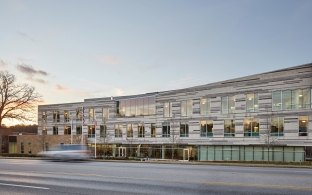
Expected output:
{"points": [[23, 186]]}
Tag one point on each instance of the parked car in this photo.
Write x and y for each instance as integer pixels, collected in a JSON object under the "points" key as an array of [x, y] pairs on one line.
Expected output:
{"points": [[67, 152]]}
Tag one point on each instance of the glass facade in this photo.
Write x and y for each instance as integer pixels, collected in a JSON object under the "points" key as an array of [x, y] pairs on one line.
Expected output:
{"points": [[206, 128], [251, 127], [137, 107], [291, 99], [229, 128]]}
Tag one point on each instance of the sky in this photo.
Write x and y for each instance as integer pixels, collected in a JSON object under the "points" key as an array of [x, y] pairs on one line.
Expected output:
{"points": [[77, 49]]}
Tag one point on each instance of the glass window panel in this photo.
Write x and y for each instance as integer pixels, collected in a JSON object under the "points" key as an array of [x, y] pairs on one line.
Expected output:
{"points": [[286, 100], [145, 103], [276, 100], [305, 98], [127, 107], [165, 130], [231, 104], [122, 108], [204, 106], [229, 128], [189, 109], [152, 105], [105, 113], [224, 105], [167, 109], [129, 130], [184, 130], [303, 125], [250, 102], [256, 105], [296, 98], [183, 108], [153, 130], [132, 107]]}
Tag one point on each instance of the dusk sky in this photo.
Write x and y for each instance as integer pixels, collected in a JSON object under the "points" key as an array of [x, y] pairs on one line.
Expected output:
{"points": [[77, 49]]}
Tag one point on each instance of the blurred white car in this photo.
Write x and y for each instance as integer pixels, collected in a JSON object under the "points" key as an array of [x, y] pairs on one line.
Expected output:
{"points": [[67, 152]]}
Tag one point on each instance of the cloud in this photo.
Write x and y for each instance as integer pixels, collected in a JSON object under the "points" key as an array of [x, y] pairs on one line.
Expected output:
{"points": [[61, 88], [109, 59], [30, 71]]}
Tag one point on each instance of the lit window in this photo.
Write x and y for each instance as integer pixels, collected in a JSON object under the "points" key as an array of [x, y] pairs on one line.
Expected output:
{"points": [[228, 104], [67, 130], [141, 130], [118, 131], [251, 127], [303, 125], [252, 102], [153, 130], [204, 106], [129, 130]]}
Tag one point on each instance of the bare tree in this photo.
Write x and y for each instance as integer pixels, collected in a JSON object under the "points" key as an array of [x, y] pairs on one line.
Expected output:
{"points": [[16, 101]]}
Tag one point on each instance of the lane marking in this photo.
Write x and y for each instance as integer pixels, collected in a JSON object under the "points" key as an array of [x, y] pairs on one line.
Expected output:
{"points": [[24, 186]]}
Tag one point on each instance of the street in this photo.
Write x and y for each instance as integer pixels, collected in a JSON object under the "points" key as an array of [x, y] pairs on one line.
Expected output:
{"points": [[23, 176]]}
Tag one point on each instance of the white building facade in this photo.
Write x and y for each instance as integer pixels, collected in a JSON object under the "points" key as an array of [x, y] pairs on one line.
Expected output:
{"points": [[261, 117]]}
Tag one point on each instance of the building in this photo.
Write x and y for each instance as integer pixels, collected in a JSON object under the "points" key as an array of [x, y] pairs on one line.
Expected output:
{"points": [[254, 118]]}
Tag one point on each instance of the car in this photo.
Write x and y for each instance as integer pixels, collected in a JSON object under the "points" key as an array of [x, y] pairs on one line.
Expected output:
{"points": [[67, 152]]}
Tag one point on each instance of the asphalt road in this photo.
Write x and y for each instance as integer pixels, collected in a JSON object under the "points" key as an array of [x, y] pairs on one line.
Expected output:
{"points": [[19, 176]]}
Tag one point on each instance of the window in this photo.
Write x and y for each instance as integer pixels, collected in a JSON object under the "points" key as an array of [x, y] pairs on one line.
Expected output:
{"points": [[252, 102], [79, 113], [103, 131], [56, 116], [129, 130], [66, 116], [204, 106], [168, 109], [137, 106], [29, 147], [105, 114], [229, 128], [187, 108], [91, 114], [184, 130], [286, 100], [91, 131], [141, 130], [46, 145], [251, 127], [78, 130], [277, 126], [228, 104], [153, 130], [206, 128], [55, 130], [22, 147], [291, 99], [276, 100], [301, 99], [166, 129], [44, 117], [118, 131], [67, 130], [303, 125]]}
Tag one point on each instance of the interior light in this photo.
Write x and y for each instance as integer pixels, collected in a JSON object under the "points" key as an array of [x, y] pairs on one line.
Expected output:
{"points": [[303, 121], [300, 95]]}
